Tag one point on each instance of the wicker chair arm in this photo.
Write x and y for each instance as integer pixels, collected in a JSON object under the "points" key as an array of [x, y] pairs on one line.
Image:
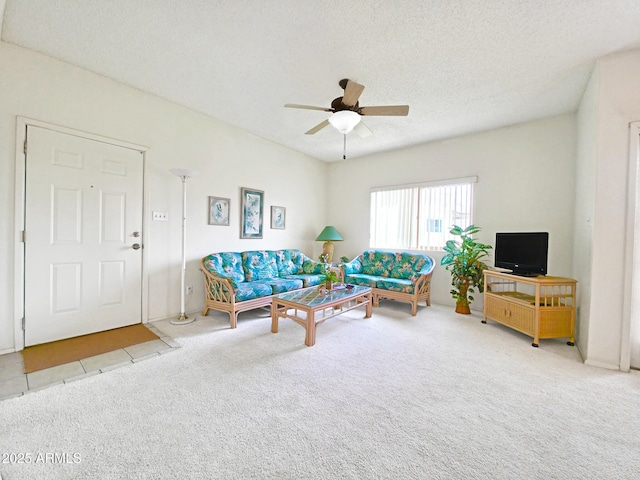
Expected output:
{"points": [[422, 281], [218, 288]]}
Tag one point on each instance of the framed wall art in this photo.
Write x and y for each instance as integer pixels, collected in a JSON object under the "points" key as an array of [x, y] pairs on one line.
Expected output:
{"points": [[219, 211], [251, 213], [278, 217]]}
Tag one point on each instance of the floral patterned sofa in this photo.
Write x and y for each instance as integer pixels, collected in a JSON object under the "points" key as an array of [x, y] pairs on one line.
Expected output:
{"points": [[239, 281], [399, 276]]}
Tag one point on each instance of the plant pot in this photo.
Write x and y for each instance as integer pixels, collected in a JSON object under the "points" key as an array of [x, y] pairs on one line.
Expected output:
{"points": [[328, 284], [463, 307], [462, 304]]}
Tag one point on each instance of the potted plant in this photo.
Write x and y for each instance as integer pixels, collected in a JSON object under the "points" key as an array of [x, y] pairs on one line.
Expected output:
{"points": [[464, 260], [329, 278]]}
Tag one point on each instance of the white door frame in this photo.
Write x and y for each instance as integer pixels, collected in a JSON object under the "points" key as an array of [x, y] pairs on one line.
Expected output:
{"points": [[19, 223], [631, 300]]}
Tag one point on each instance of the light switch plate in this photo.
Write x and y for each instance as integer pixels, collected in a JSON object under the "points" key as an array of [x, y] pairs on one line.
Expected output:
{"points": [[160, 216]]}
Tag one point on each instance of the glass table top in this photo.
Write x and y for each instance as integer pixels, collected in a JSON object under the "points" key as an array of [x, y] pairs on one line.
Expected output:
{"points": [[311, 297]]}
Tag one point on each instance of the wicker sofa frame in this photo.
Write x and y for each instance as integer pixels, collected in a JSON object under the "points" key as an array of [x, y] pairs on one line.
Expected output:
{"points": [[221, 297], [221, 293], [421, 286], [422, 293]]}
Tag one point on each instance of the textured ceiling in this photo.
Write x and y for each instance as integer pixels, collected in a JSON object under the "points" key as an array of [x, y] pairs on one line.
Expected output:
{"points": [[462, 66]]}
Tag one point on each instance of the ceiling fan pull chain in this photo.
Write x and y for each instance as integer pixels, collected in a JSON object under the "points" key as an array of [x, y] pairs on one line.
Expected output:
{"points": [[344, 147]]}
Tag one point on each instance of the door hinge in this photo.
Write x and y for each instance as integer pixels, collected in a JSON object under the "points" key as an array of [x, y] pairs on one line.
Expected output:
{"points": [[24, 236], [23, 323], [24, 149]]}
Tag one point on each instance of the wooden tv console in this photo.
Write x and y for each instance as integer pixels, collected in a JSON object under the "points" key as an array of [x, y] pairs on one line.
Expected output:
{"points": [[541, 307]]}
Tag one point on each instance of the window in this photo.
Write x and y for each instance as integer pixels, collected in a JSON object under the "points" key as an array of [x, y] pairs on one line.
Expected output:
{"points": [[419, 216]]}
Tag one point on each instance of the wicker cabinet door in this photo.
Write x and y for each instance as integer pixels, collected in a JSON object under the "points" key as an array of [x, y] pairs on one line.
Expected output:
{"points": [[522, 318], [514, 315], [496, 308]]}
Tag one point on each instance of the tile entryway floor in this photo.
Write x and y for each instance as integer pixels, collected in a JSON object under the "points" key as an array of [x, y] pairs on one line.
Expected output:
{"points": [[14, 382]]}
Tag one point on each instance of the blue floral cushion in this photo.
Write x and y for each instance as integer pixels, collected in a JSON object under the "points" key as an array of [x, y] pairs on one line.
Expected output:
{"points": [[396, 285], [354, 266], [251, 290], [362, 279], [281, 285], [428, 265], [259, 265], [407, 265], [289, 262], [308, 280], [312, 267], [227, 265], [377, 262]]}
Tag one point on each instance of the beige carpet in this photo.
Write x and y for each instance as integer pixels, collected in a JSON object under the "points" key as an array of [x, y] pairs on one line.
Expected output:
{"points": [[52, 354], [438, 396]]}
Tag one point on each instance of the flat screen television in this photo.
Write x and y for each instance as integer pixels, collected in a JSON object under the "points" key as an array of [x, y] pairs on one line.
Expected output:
{"points": [[524, 253]]}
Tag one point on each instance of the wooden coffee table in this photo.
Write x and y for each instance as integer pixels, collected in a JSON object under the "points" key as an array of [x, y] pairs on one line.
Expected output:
{"points": [[317, 307]]}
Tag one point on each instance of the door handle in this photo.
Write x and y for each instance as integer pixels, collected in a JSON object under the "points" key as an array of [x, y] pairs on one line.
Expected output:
{"points": [[136, 246]]}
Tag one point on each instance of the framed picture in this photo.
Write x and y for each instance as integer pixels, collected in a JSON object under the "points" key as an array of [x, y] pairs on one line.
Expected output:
{"points": [[278, 217], [251, 213], [219, 211]]}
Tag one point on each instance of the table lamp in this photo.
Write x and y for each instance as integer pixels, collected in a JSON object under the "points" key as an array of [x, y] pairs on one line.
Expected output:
{"points": [[328, 235]]}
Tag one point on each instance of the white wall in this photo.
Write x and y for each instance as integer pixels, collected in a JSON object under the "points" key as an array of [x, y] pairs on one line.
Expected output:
{"points": [[525, 183], [586, 160], [618, 104], [44, 89]]}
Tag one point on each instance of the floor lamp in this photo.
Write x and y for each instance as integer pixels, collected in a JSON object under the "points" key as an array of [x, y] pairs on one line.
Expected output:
{"points": [[184, 175]]}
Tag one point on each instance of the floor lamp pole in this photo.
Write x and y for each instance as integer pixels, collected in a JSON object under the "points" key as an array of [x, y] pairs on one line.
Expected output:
{"points": [[184, 175]]}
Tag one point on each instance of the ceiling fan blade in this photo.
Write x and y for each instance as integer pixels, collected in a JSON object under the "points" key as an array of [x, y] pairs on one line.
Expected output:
{"points": [[352, 92], [317, 128], [392, 110], [308, 107], [362, 130]]}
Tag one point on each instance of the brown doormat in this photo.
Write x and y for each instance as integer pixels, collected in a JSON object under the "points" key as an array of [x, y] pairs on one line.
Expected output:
{"points": [[52, 354]]}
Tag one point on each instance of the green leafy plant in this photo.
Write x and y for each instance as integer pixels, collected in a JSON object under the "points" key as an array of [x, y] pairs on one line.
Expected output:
{"points": [[463, 260], [330, 276], [344, 259]]}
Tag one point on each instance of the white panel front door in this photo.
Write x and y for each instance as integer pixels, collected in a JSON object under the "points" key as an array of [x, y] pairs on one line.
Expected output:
{"points": [[83, 220]]}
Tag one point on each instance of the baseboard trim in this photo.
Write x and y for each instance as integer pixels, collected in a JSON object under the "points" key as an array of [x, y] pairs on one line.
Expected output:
{"points": [[594, 363]]}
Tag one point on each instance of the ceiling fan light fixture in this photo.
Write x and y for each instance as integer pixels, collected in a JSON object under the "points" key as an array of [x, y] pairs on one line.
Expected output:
{"points": [[344, 120]]}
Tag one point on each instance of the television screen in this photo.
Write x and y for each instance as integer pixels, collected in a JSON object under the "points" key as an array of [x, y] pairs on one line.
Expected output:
{"points": [[524, 253]]}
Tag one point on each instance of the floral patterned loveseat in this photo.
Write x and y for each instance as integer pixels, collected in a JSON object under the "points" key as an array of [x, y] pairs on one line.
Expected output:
{"points": [[399, 276], [239, 281]]}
